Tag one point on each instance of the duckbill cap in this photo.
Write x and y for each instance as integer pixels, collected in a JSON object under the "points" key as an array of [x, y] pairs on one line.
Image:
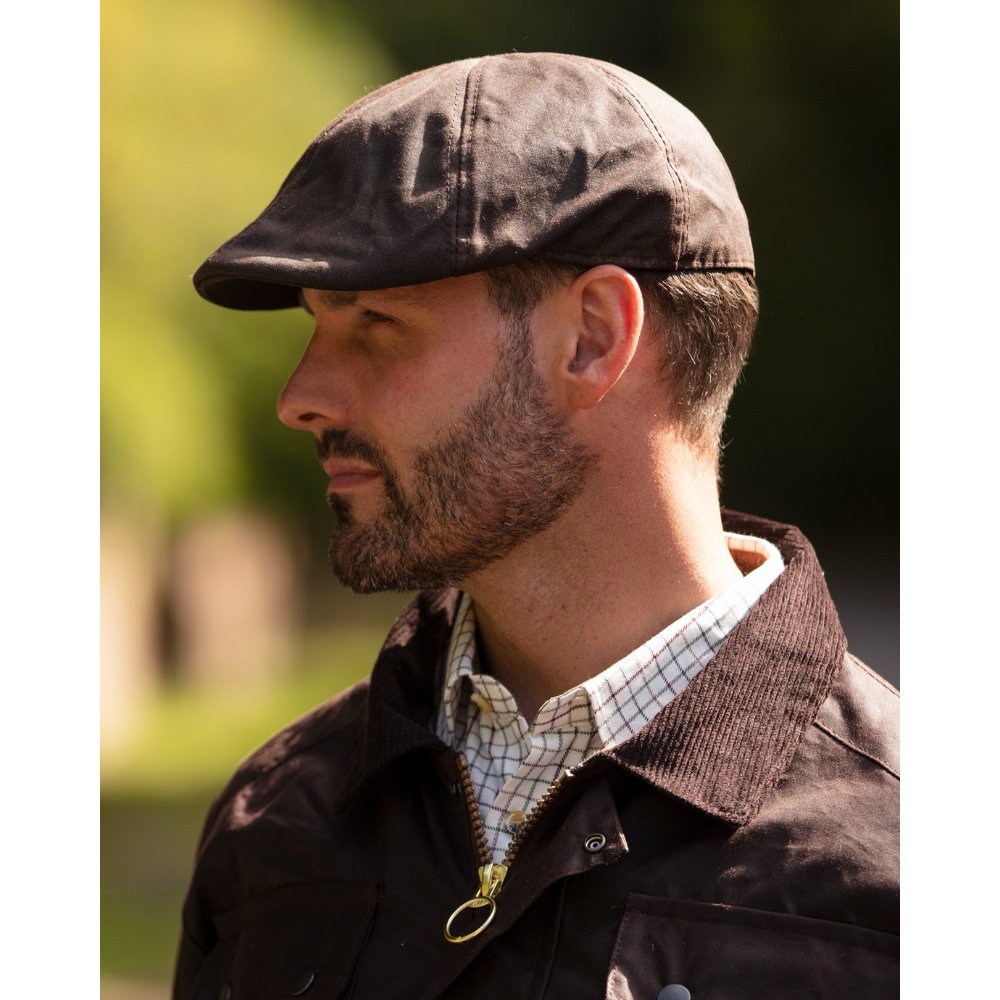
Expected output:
{"points": [[486, 162]]}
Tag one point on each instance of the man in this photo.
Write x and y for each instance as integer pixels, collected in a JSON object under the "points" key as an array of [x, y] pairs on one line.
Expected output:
{"points": [[617, 745]]}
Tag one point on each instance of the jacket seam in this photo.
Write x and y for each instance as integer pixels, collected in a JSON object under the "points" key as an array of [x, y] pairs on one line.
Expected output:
{"points": [[852, 746], [787, 931], [555, 942], [873, 675]]}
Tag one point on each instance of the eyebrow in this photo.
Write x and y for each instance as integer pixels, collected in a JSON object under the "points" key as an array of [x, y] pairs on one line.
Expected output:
{"points": [[330, 297]]}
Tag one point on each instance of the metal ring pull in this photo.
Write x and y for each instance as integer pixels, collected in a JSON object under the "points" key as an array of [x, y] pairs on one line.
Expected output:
{"points": [[491, 878], [471, 904]]}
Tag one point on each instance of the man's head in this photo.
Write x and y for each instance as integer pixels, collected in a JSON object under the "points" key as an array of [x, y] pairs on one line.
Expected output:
{"points": [[530, 174]]}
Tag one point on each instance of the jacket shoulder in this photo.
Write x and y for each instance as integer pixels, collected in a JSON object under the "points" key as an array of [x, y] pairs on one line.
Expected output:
{"points": [[335, 723], [862, 715], [326, 721], [832, 823]]}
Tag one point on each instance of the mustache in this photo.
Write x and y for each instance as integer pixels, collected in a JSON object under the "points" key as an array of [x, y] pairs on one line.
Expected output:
{"points": [[337, 443]]}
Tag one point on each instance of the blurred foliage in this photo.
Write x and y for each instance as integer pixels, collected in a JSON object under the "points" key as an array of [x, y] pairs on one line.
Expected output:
{"points": [[204, 107], [195, 738], [147, 848]]}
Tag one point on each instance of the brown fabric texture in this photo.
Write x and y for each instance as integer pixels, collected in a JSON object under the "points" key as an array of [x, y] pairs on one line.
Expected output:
{"points": [[485, 162], [750, 830]]}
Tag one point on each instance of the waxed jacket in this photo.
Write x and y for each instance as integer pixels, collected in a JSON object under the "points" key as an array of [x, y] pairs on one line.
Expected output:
{"points": [[741, 845]]}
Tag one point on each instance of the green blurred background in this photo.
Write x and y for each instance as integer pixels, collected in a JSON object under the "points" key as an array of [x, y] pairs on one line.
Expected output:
{"points": [[219, 619]]}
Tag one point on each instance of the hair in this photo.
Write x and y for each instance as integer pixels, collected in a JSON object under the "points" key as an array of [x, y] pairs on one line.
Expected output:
{"points": [[704, 322]]}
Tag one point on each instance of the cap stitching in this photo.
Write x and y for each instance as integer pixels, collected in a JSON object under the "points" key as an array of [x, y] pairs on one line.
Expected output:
{"points": [[651, 125], [452, 183], [716, 264], [465, 166]]}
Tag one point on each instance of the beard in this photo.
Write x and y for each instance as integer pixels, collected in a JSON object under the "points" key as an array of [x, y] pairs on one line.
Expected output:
{"points": [[502, 473]]}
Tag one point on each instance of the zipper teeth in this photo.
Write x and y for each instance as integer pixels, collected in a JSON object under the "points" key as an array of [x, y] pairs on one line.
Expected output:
{"points": [[532, 818], [476, 817], [472, 807]]}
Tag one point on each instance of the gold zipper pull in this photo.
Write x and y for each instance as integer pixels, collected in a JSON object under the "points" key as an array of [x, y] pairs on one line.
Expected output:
{"points": [[491, 878]]}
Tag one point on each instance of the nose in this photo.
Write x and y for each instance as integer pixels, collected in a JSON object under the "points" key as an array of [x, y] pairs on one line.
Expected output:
{"points": [[313, 398]]}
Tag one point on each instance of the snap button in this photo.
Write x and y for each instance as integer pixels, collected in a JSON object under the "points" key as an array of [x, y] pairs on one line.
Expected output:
{"points": [[302, 982], [594, 843], [514, 819], [674, 992], [226, 993]]}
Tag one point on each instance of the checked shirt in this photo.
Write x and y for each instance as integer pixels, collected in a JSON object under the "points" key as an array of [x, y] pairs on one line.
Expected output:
{"points": [[512, 763]]}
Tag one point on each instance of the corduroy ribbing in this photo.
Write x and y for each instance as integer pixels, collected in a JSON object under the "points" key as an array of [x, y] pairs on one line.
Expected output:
{"points": [[724, 743]]}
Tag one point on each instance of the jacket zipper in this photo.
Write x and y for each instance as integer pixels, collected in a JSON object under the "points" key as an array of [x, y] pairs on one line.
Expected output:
{"points": [[491, 875]]}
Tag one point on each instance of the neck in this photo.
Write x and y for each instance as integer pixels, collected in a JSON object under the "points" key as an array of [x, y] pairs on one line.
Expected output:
{"points": [[616, 568]]}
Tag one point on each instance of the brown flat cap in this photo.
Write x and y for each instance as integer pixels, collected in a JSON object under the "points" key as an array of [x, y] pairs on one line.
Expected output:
{"points": [[485, 162]]}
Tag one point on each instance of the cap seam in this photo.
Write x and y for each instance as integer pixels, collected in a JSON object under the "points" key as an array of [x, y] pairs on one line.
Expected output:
{"points": [[651, 126], [353, 110], [457, 114], [463, 237]]}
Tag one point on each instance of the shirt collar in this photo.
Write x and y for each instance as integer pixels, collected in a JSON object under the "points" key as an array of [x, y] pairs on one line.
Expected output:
{"points": [[461, 662], [684, 647]]}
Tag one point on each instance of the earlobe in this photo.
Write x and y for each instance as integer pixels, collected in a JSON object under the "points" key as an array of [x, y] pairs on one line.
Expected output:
{"points": [[609, 321]]}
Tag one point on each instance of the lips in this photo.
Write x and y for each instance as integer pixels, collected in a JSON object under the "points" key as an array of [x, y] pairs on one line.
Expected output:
{"points": [[346, 473]]}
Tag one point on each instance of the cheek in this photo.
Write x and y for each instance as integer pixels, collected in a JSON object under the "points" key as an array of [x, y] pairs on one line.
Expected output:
{"points": [[416, 406]]}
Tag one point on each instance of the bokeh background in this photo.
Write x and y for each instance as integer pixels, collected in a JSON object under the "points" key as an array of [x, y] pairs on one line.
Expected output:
{"points": [[219, 619]]}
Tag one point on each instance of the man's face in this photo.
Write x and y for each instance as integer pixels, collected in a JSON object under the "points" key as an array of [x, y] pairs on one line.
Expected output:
{"points": [[442, 447]]}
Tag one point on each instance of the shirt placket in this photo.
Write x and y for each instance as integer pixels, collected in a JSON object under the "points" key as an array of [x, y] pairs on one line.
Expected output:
{"points": [[548, 753]]}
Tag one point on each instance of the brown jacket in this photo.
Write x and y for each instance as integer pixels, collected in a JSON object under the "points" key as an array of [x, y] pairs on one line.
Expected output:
{"points": [[749, 830]]}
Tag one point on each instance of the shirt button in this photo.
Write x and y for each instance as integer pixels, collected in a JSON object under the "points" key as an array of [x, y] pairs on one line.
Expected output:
{"points": [[514, 819], [302, 982], [674, 992]]}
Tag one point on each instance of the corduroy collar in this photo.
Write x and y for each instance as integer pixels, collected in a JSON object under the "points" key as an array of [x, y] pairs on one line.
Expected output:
{"points": [[720, 746]]}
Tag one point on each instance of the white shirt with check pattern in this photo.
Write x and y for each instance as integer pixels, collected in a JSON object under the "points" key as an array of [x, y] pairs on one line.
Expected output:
{"points": [[512, 763]]}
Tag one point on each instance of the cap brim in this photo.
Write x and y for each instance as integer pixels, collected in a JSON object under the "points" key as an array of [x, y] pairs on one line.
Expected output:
{"points": [[258, 282]]}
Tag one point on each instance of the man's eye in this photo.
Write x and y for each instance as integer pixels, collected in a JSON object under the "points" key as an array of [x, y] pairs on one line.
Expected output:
{"points": [[370, 316]]}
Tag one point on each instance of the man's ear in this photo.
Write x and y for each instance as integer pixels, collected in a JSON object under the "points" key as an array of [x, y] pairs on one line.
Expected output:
{"points": [[608, 316]]}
